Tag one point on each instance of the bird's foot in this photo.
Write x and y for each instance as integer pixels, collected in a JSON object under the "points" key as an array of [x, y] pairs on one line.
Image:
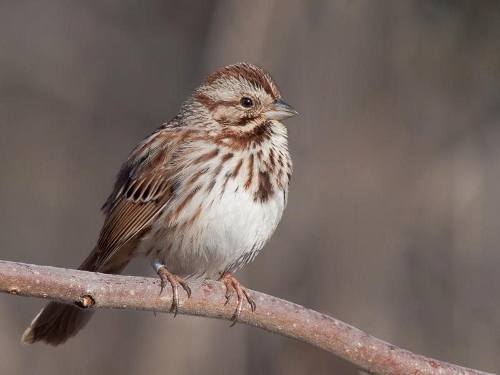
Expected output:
{"points": [[233, 286], [174, 280]]}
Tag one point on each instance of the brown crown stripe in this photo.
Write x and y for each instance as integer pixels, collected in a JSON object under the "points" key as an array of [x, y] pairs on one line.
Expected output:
{"points": [[251, 73]]}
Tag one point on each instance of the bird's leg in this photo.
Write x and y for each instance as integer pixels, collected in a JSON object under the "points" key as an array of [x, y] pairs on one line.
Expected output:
{"points": [[232, 286], [174, 280]]}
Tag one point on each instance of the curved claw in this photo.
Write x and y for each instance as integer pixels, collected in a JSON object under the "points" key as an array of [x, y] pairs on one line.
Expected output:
{"points": [[233, 286], [174, 280]]}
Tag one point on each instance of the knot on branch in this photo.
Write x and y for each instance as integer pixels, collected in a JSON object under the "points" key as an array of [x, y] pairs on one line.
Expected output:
{"points": [[86, 301]]}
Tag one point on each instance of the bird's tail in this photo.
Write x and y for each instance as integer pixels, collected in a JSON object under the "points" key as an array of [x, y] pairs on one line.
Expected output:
{"points": [[57, 322]]}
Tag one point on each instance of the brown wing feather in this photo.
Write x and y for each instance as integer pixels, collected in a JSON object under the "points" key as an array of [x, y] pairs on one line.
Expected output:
{"points": [[125, 219], [142, 189]]}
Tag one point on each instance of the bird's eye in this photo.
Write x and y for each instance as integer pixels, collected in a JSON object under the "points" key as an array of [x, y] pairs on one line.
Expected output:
{"points": [[246, 102]]}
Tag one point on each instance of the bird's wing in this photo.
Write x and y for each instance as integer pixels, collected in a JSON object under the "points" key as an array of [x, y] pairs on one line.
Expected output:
{"points": [[143, 187]]}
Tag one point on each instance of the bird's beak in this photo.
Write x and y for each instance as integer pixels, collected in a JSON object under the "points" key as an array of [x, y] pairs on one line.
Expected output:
{"points": [[279, 110]]}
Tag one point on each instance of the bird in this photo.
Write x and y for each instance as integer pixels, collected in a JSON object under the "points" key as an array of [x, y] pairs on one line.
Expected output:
{"points": [[200, 196]]}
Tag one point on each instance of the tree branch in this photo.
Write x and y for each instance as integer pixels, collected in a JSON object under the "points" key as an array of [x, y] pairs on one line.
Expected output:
{"points": [[95, 290]]}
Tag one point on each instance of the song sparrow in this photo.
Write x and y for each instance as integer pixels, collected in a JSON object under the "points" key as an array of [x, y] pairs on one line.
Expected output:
{"points": [[200, 196]]}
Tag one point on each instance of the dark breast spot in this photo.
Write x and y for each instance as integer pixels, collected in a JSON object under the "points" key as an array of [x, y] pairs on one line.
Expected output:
{"points": [[264, 189]]}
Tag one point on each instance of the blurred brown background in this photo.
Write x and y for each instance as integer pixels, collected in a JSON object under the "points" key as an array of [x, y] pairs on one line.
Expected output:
{"points": [[393, 223]]}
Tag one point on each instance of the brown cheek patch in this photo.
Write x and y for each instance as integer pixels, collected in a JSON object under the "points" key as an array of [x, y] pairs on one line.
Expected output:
{"points": [[227, 121]]}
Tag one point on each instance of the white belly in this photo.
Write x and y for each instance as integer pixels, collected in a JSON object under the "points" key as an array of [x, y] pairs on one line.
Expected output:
{"points": [[231, 229]]}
